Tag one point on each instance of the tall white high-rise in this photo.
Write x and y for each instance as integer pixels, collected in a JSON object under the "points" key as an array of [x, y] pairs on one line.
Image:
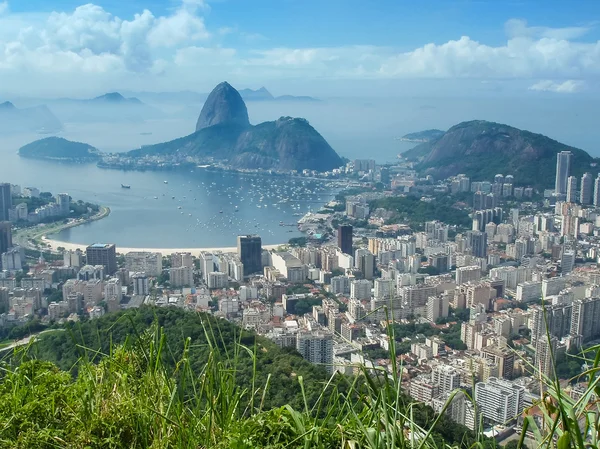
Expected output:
{"points": [[498, 400], [446, 377], [207, 264], [316, 347], [563, 165], [587, 184], [567, 262], [571, 189], [141, 284], [361, 289], [64, 202], [596, 198], [543, 356]]}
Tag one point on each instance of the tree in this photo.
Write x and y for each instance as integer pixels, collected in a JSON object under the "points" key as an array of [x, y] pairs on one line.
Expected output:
{"points": [[461, 314], [430, 270], [163, 278], [298, 241]]}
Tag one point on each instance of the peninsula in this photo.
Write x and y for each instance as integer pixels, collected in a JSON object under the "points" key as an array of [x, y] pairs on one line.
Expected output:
{"points": [[481, 149], [59, 149], [422, 136]]}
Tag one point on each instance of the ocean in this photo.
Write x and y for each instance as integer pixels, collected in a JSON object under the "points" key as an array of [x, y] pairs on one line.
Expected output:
{"points": [[355, 128]]}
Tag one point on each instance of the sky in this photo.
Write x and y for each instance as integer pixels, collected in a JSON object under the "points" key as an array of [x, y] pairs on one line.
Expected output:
{"points": [[325, 48]]}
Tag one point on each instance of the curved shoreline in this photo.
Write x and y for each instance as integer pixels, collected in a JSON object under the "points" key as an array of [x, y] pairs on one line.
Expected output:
{"points": [[52, 245], [28, 236], [55, 244]]}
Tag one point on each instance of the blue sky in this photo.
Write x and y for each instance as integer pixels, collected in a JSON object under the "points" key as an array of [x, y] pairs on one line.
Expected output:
{"points": [[342, 22], [308, 45]]}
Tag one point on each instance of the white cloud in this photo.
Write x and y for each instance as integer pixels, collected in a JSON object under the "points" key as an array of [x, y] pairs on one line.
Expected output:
{"points": [[90, 38], [204, 56], [565, 87], [193, 5], [518, 28], [520, 57], [176, 46], [177, 29], [321, 62]]}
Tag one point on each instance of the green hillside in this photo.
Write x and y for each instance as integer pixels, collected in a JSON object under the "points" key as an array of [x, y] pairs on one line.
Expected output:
{"points": [[181, 379], [481, 149], [57, 148], [185, 380], [64, 349]]}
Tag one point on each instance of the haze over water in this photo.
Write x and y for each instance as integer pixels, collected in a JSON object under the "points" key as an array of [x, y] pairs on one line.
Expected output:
{"points": [[355, 127]]}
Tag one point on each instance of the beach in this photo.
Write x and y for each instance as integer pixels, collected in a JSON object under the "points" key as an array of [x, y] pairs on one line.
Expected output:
{"points": [[55, 244]]}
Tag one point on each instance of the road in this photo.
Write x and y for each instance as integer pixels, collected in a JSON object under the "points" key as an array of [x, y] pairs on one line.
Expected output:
{"points": [[27, 340], [28, 236]]}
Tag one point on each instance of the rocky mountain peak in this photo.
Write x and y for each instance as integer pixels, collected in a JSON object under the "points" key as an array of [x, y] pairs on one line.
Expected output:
{"points": [[7, 105], [111, 97], [224, 105]]}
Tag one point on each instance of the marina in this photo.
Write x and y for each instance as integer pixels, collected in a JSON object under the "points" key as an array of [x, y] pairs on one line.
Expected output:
{"points": [[217, 206], [205, 209]]}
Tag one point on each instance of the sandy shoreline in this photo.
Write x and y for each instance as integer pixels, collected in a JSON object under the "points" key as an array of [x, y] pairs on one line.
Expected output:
{"points": [[55, 244]]}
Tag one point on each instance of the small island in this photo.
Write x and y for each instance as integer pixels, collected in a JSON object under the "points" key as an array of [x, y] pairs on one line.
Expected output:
{"points": [[223, 139], [422, 136], [59, 149]]}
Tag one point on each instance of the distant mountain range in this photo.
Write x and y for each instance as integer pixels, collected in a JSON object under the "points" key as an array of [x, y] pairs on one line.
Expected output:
{"points": [[35, 119], [110, 107], [187, 97], [115, 98], [263, 94], [481, 149], [223, 133], [114, 107]]}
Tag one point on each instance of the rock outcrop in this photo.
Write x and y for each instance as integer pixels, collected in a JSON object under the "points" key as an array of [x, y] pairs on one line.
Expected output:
{"points": [[224, 106], [224, 133]]}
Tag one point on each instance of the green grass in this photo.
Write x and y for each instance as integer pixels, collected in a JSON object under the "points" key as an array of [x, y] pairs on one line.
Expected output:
{"points": [[130, 397]]}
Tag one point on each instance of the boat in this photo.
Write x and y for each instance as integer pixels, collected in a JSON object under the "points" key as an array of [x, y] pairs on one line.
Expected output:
{"points": [[125, 186], [220, 211], [166, 182]]}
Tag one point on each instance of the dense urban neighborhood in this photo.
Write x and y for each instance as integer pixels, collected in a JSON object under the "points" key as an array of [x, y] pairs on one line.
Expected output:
{"points": [[477, 285]]}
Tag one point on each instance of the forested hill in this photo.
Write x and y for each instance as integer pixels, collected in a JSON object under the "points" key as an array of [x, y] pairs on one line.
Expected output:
{"points": [[481, 149], [57, 148], [182, 379], [284, 366]]}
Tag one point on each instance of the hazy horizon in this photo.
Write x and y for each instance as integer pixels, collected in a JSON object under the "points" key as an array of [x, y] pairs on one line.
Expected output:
{"points": [[380, 70], [353, 127]]}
